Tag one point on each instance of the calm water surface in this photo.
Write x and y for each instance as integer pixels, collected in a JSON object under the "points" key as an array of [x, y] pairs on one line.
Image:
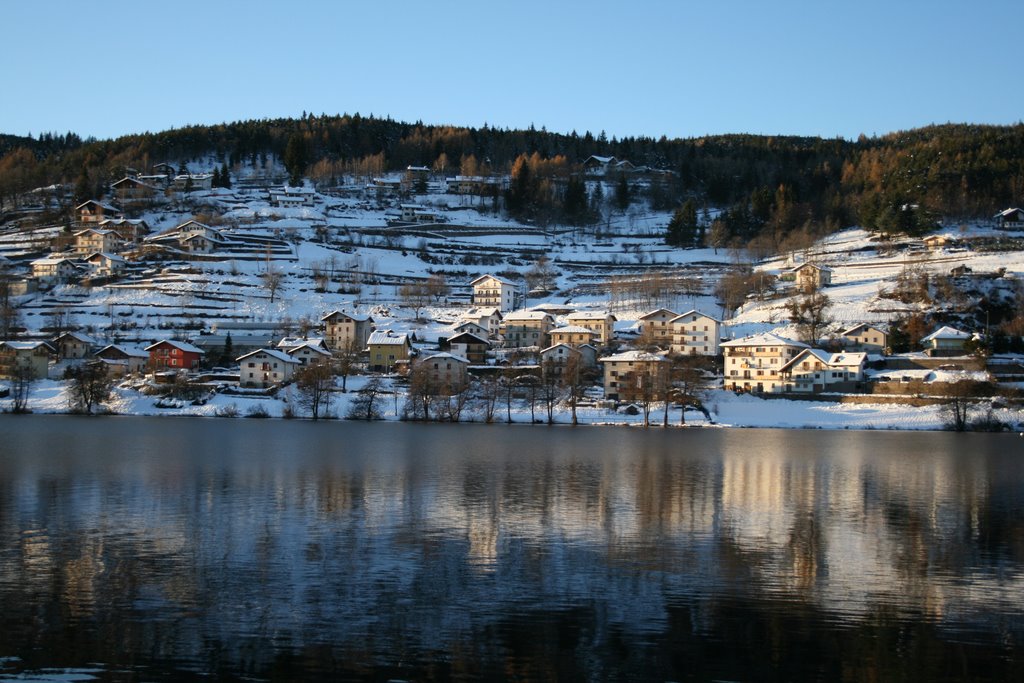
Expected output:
{"points": [[160, 549]]}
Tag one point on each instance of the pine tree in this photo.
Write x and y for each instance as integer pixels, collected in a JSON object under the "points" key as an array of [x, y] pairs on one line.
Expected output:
{"points": [[296, 158], [622, 194], [519, 196], [83, 186], [683, 228], [575, 203], [216, 177], [225, 177], [597, 200]]}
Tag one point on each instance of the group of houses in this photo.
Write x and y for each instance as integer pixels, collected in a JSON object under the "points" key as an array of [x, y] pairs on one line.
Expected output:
{"points": [[495, 331], [104, 247]]}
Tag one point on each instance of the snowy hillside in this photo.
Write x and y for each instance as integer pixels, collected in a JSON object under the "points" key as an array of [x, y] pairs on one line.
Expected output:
{"points": [[351, 250]]}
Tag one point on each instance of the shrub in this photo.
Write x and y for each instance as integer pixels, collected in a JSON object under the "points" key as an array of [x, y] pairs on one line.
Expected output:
{"points": [[257, 411], [229, 410]]}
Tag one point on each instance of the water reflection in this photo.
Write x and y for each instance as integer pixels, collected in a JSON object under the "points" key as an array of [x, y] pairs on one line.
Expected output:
{"points": [[341, 550]]}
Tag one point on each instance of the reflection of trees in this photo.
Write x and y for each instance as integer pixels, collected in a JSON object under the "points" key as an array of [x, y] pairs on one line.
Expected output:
{"points": [[527, 563]]}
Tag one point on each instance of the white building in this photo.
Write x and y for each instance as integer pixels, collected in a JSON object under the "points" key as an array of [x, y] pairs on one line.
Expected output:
{"points": [[490, 290], [446, 371], [755, 363], [91, 240], [188, 182], [814, 370], [1010, 219], [105, 264], [865, 337], [309, 353], [656, 326], [527, 328], [265, 368], [54, 268], [292, 196], [346, 330], [696, 334], [946, 341]]}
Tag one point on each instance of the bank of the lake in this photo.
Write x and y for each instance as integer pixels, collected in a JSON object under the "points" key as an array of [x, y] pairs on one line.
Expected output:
{"points": [[725, 408]]}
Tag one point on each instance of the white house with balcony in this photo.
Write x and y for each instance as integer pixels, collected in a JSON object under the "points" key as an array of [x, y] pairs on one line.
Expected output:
{"points": [[527, 328], [491, 290], [755, 363], [265, 368], [696, 334], [55, 268], [814, 370]]}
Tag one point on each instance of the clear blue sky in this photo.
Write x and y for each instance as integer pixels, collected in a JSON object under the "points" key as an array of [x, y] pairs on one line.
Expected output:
{"points": [[654, 68]]}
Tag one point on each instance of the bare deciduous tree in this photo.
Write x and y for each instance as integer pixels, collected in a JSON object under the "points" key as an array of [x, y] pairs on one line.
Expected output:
{"points": [[59, 320], [315, 384], [810, 315], [421, 395], [272, 281], [961, 401], [345, 360], [541, 275], [415, 295], [487, 390], [437, 286], [454, 402], [550, 387], [22, 377], [576, 377], [690, 383], [364, 407], [89, 387]]}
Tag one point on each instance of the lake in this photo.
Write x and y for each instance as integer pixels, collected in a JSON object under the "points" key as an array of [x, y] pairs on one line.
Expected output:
{"points": [[160, 548]]}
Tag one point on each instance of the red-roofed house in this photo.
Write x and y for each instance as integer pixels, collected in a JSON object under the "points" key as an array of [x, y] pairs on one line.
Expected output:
{"points": [[174, 355]]}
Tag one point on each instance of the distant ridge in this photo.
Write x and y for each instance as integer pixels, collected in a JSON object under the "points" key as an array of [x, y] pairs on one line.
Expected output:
{"points": [[769, 184]]}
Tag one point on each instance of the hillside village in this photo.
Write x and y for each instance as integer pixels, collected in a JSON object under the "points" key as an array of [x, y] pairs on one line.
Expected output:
{"points": [[413, 296]]}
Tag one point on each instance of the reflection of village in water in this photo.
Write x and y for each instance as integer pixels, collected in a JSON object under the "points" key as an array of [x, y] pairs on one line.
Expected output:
{"points": [[428, 547]]}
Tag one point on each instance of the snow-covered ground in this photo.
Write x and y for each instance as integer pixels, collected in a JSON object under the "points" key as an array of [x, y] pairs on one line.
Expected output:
{"points": [[726, 408]]}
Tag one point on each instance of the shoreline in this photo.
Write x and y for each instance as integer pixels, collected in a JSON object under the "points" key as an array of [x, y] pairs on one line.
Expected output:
{"points": [[728, 411]]}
